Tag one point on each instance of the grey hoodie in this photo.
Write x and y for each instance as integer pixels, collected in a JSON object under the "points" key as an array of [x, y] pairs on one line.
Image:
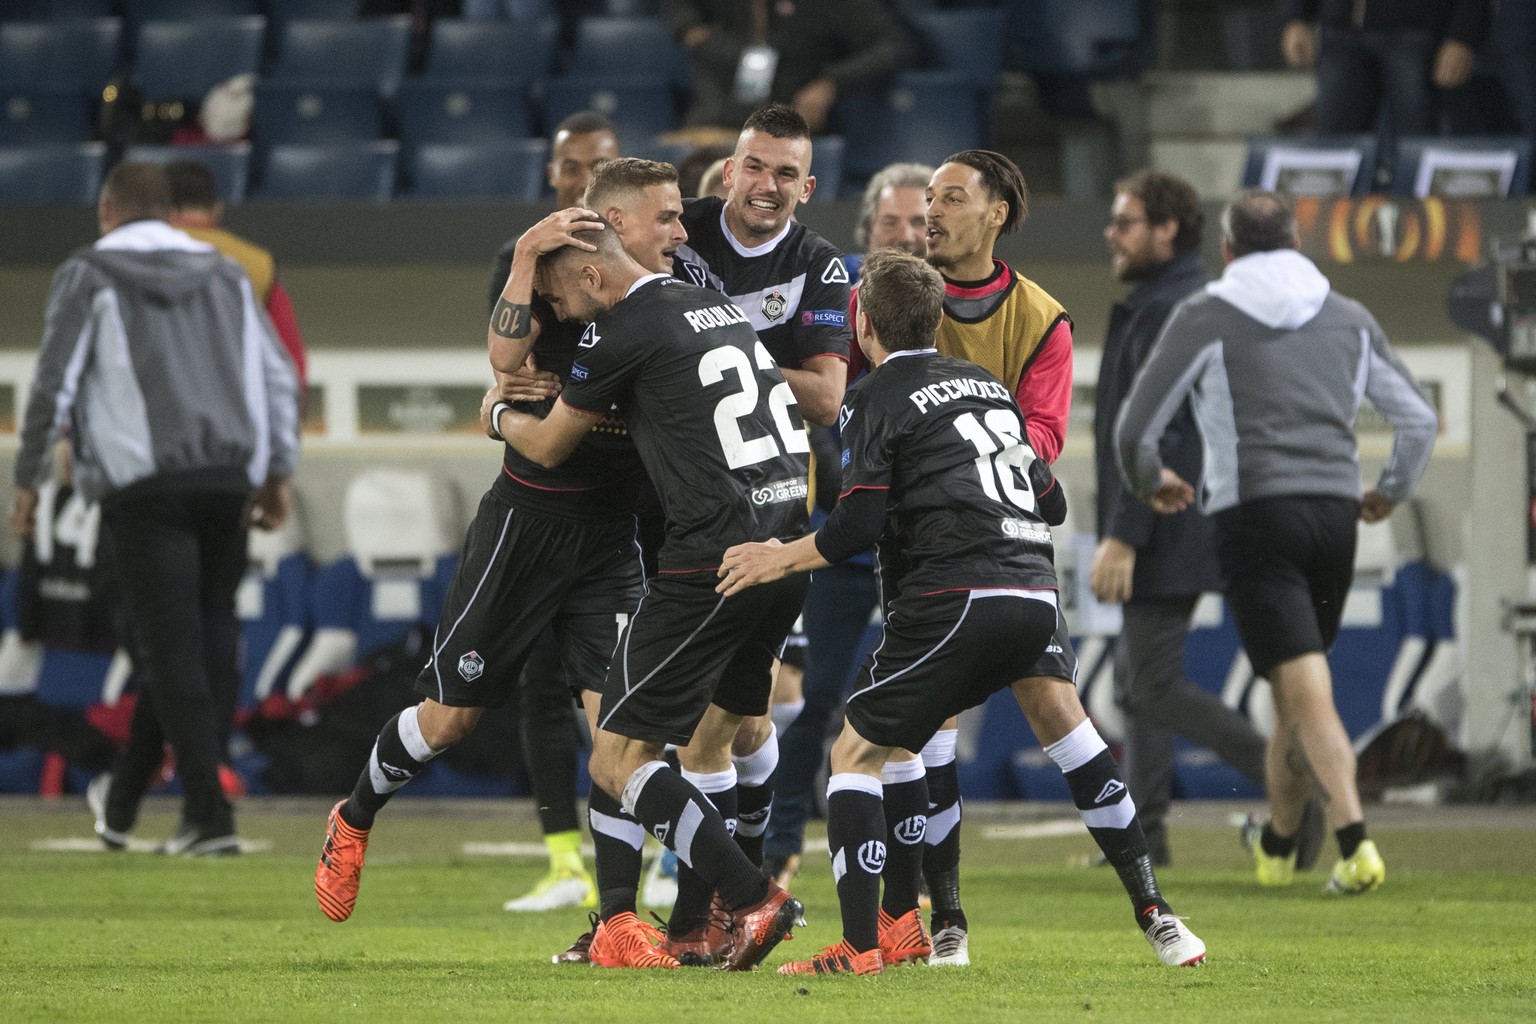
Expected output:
{"points": [[156, 359], [1275, 365]]}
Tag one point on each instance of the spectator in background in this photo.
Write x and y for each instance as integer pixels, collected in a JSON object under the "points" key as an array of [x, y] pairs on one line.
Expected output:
{"points": [[1157, 566], [1275, 364], [694, 169], [840, 599], [712, 181], [547, 723], [1397, 51], [196, 209], [183, 415], [799, 52]]}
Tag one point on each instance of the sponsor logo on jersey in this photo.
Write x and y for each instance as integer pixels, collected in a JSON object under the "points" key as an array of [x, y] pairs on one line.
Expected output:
{"points": [[835, 273], [1023, 529], [775, 305], [589, 337], [910, 831], [872, 856], [696, 274], [579, 372], [1053, 649], [843, 416], [824, 317], [471, 666], [781, 490], [935, 395], [847, 457], [714, 316], [1112, 789]]}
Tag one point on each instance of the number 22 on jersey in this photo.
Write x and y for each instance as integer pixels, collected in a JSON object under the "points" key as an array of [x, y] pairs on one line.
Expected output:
{"points": [[739, 450]]}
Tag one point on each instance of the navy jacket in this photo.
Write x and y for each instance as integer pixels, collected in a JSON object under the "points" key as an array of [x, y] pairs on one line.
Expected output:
{"points": [[1175, 555]]}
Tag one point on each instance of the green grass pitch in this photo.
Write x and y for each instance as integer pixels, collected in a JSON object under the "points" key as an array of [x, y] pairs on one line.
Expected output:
{"points": [[127, 938]]}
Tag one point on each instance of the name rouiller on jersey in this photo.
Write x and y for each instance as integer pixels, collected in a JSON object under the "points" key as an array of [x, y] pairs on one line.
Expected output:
{"points": [[934, 395], [714, 316]]}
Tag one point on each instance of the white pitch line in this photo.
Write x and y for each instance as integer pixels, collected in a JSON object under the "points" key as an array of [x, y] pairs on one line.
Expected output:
{"points": [[83, 845], [1052, 829], [513, 850]]}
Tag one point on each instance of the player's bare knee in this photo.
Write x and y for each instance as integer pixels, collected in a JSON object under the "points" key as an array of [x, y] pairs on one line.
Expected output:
{"points": [[851, 752], [751, 735]]}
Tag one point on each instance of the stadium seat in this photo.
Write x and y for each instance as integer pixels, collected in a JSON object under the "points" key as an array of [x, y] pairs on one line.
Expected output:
{"points": [[493, 170], [1485, 167], [273, 605], [617, 46], [316, 112], [357, 170], [964, 41], [463, 113], [513, 51], [230, 164], [54, 10], [282, 11], [827, 166], [921, 115], [505, 10], [367, 52], [1323, 165], [51, 174], [629, 8], [396, 573], [138, 11], [42, 117], [640, 106], [1095, 38], [59, 55], [184, 59]]}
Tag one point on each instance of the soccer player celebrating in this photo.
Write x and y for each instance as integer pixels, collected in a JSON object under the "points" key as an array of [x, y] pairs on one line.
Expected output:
{"points": [[938, 469], [721, 438]]}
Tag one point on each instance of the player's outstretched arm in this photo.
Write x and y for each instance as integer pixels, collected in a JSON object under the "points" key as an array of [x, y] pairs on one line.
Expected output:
{"points": [[818, 388], [747, 565], [549, 441], [513, 329]]}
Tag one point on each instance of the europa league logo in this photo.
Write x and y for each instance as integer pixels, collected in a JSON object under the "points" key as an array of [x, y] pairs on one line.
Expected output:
{"points": [[1383, 227]]}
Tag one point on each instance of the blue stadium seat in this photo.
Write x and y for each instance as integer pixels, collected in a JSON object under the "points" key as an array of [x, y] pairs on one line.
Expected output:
{"points": [[505, 10], [53, 10], [291, 112], [184, 59], [921, 115], [40, 117], [1468, 167], [1096, 38], [965, 41], [137, 11], [59, 55], [273, 605], [640, 106], [618, 46], [51, 174], [230, 164], [493, 170], [827, 166], [367, 52], [281, 11], [1319, 165], [629, 8], [357, 170], [433, 112], [516, 51]]}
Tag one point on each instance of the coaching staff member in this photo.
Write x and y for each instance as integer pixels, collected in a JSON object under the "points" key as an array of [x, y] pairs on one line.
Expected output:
{"points": [[1275, 364], [181, 407]]}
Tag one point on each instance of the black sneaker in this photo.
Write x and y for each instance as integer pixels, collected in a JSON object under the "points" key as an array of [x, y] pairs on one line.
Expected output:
{"points": [[193, 841]]}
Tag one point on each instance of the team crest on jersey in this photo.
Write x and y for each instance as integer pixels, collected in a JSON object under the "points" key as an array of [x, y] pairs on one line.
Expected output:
{"points": [[775, 305], [696, 274], [471, 666], [589, 337], [835, 273]]}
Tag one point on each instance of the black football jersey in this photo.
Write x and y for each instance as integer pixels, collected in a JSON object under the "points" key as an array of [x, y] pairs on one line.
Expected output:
{"points": [[713, 418], [602, 477], [946, 440], [794, 289]]}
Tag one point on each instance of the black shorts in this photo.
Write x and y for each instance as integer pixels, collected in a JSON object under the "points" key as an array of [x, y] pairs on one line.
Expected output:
{"points": [[687, 648], [1288, 564], [519, 574], [1059, 659], [943, 653]]}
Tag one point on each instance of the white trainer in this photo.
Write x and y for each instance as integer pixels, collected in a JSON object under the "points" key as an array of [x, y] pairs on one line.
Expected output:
{"points": [[951, 948], [555, 892], [659, 889], [1175, 944]]}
